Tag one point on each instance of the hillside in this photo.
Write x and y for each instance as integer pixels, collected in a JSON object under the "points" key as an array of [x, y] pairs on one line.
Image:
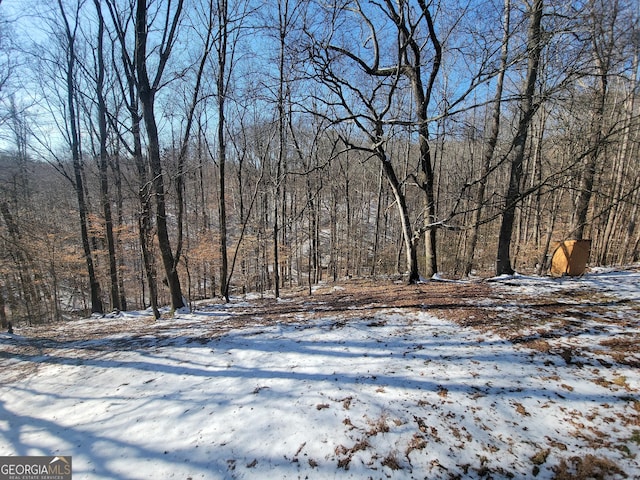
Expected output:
{"points": [[510, 378]]}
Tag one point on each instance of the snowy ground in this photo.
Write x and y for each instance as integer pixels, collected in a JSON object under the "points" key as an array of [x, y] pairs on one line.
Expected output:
{"points": [[532, 378]]}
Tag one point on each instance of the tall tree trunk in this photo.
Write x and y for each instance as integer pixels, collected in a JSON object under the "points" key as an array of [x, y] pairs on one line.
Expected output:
{"points": [[431, 258], [145, 227], [94, 285], [276, 225], [376, 238], [603, 43], [223, 11], [527, 111], [588, 174], [422, 98], [409, 245], [103, 165], [157, 181], [146, 93], [3, 313], [491, 142], [283, 19], [119, 225], [411, 254]]}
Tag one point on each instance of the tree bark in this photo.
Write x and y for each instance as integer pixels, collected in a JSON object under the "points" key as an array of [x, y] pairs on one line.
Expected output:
{"points": [[409, 245], [145, 227], [411, 254], [103, 165], [491, 143], [94, 285], [145, 230], [423, 97], [3, 313], [146, 93], [527, 111], [221, 93], [603, 42]]}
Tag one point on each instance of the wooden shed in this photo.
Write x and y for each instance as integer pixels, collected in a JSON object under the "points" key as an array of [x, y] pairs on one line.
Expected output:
{"points": [[570, 258]]}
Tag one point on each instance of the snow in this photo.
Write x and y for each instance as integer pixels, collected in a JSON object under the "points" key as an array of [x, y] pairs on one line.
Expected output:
{"points": [[396, 393]]}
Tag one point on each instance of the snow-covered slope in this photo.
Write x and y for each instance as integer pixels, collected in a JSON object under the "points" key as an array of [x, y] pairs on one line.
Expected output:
{"points": [[388, 393]]}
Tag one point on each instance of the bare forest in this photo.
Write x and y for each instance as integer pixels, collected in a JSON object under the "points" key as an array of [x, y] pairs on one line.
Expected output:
{"points": [[156, 153]]}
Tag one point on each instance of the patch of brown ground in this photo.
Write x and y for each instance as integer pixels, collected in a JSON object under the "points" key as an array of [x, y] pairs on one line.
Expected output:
{"points": [[537, 322]]}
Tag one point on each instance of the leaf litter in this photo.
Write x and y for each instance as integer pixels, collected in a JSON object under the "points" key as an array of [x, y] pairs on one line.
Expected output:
{"points": [[517, 377]]}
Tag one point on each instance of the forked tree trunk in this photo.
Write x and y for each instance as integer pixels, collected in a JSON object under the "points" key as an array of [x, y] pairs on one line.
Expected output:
{"points": [[145, 227]]}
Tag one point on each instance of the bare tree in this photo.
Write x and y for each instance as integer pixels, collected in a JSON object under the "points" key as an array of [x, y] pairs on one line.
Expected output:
{"points": [[227, 25], [128, 93], [355, 183], [602, 18], [384, 67], [411, 62], [284, 17], [490, 142], [103, 160], [527, 110], [69, 69], [147, 89], [8, 65]]}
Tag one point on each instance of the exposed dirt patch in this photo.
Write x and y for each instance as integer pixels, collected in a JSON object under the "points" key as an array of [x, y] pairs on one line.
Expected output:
{"points": [[346, 300], [589, 466], [545, 323]]}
